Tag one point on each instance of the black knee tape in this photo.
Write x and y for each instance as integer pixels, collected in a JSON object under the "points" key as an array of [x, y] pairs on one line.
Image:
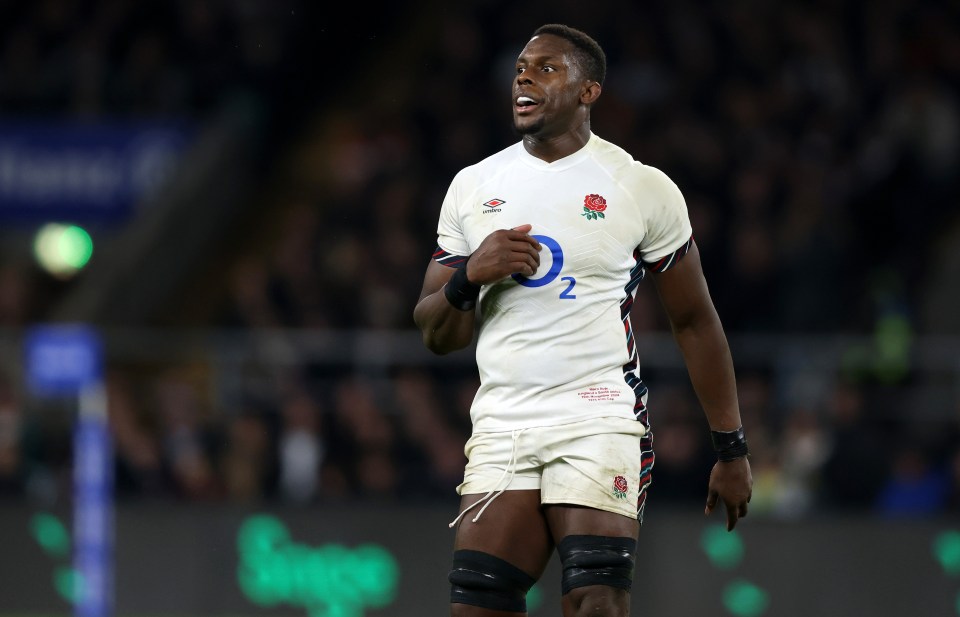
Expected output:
{"points": [[480, 579], [597, 560]]}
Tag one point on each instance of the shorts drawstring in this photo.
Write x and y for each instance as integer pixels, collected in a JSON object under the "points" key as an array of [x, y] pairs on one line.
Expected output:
{"points": [[511, 468]]}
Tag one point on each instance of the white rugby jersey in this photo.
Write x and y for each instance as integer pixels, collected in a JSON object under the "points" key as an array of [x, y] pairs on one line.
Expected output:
{"points": [[558, 347]]}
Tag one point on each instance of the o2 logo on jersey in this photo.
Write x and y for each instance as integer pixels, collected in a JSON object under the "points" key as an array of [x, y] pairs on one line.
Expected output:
{"points": [[553, 273]]}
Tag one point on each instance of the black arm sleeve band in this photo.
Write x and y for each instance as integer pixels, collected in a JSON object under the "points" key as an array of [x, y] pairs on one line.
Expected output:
{"points": [[460, 292], [729, 445]]}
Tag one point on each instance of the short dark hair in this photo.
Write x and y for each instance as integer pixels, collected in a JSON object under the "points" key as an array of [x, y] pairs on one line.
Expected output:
{"points": [[589, 53]]}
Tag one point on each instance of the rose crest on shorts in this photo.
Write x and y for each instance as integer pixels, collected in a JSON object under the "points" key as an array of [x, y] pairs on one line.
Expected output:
{"points": [[593, 206], [620, 487]]}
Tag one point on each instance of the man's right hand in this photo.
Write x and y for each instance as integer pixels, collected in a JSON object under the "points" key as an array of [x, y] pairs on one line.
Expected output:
{"points": [[503, 253]]}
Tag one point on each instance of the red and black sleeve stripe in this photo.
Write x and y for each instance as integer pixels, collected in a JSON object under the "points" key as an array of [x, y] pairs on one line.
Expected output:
{"points": [[449, 259], [665, 263]]}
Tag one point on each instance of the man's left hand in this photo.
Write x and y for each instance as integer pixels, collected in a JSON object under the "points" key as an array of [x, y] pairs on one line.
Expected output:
{"points": [[732, 483]]}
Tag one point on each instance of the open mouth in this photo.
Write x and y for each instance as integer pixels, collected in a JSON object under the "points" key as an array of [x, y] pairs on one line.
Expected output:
{"points": [[525, 103]]}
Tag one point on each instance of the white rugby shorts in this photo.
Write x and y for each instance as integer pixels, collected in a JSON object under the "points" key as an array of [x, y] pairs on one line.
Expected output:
{"points": [[595, 463]]}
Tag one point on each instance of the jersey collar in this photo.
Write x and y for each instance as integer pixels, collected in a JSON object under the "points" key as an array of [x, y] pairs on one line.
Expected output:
{"points": [[560, 164]]}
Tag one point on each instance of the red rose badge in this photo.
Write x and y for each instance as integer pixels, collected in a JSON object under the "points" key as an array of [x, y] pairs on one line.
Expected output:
{"points": [[620, 487], [593, 206]]}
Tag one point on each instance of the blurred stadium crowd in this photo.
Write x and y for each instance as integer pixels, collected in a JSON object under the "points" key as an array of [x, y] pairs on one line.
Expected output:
{"points": [[817, 145]]}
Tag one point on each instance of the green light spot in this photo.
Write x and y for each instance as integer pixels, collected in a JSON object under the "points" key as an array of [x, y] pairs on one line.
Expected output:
{"points": [[50, 534], [69, 584], [61, 249], [946, 549], [745, 599], [725, 549], [75, 246], [958, 603]]}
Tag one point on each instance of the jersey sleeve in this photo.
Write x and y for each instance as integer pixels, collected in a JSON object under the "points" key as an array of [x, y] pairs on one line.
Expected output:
{"points": [[450, 237], [669, 233]]}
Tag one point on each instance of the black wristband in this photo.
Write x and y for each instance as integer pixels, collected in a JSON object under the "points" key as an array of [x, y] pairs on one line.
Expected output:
{"points": [[729, 445], [460, 292]]}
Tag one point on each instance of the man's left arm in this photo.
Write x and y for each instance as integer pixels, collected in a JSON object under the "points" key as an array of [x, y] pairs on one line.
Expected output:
{"points": [[697, 329]]}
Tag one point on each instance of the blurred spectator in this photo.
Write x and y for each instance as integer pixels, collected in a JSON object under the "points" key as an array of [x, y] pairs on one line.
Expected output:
{"points": [[681, 442], [804, 450], [15, 295], [295, 266], [748, 297], [301, 449], [367, 443], [138, 460], [246, 459], [757, 410], [431, 428], [137, 58], [917, 486], [12, 472], [859, 457], [252, 304], [188, 442]]}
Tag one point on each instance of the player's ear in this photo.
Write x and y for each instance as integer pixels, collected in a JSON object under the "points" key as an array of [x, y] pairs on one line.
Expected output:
{"points": [[590, 92]]}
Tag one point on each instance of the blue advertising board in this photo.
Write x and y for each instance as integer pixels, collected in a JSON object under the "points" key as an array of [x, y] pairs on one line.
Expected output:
{"points": [[93, 172], [61, 360]]}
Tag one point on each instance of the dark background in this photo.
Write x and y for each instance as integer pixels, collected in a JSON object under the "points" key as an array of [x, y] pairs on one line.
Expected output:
{"points": [[256, 308]]}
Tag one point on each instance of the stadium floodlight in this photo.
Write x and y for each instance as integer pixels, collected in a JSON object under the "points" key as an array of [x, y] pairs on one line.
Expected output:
{"points": [[62, 249]]}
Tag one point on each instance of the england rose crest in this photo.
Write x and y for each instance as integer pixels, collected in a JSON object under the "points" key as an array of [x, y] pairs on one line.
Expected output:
{"points": [[593, 206], [620, 487]]}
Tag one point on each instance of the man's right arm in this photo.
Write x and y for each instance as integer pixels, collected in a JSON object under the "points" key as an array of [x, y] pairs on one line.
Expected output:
{"points": [[444, 327], [447, 328]]}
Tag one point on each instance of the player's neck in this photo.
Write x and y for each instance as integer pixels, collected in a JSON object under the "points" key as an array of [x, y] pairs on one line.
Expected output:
{"points": [[555, 147]]}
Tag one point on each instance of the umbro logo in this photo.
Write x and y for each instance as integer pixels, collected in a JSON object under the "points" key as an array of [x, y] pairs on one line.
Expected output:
{"points": [[493, 205]]}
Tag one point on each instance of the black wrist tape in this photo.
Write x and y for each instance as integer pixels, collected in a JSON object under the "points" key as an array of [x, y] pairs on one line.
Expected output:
{"points": [[460, 292], [729, 445]]}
